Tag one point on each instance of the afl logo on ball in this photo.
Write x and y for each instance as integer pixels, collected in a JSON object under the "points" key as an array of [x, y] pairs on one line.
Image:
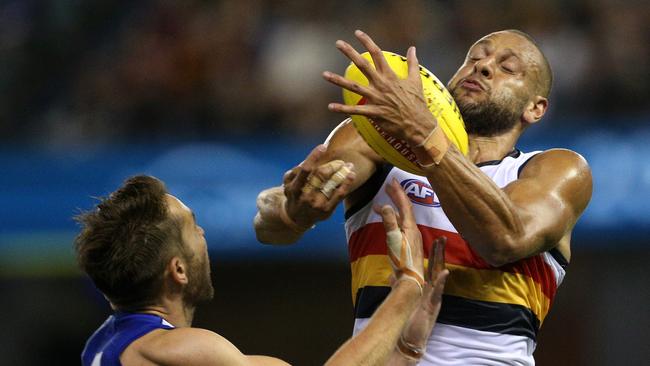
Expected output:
{"points": [[419, 192]]}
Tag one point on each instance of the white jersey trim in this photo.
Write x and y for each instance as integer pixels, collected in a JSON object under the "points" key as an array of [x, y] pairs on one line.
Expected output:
{"points": [[558, 271], [450, 345]]}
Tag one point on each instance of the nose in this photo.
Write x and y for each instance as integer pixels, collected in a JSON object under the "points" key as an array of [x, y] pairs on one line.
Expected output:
{"points": [[484, 67]]}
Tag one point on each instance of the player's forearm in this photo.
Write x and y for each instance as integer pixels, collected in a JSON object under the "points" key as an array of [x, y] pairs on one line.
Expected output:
{"points": [[374, 344], [480, 210], [269, 227]]}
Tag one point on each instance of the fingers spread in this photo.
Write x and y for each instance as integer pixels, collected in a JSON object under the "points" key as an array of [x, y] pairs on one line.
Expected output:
{"points": [[413, 65], [375, 52], [350, 85], [364, 110], [363, 64]]}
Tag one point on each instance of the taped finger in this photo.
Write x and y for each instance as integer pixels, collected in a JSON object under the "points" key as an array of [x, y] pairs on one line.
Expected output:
{"points": [[342, 190], [327, 194], [315, 182], [335, 180], [307, 188], [326, 170], [401, 257]]}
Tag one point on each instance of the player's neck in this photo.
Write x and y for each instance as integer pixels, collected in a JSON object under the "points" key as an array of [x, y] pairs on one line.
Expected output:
{"points": [[483, 148], [175, 312]]}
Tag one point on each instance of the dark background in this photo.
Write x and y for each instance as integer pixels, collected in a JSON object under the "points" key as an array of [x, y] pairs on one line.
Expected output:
{"points": [[219, 98]]}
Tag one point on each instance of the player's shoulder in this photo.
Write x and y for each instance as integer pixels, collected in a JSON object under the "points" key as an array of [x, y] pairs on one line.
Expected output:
{"points": [[187, 346], [557, 161], [566, 155]]}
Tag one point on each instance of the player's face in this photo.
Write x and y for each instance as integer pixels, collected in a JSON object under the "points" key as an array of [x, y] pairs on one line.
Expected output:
{"points": [[199, 287], [495, 82]]}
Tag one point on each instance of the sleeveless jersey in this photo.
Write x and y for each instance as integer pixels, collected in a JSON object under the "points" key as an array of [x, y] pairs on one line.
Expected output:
{"points": [[108, 342], [489, 315]]}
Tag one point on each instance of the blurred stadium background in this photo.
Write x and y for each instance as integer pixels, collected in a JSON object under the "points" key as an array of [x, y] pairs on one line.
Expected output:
{"points": [[219, 98]]}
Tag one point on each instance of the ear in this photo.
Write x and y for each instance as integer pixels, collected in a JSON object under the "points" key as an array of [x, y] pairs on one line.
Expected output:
{"points": [[535, 109], [178, 270]]}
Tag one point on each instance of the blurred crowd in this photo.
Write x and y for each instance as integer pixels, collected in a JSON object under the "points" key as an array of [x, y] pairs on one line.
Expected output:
{"points": [[97, 72]]}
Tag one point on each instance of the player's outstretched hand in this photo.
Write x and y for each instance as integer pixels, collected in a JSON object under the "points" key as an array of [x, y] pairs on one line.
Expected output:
{"points": [[403, 238], [435, 276], [314, 190], [412, 344], [397, 105]]}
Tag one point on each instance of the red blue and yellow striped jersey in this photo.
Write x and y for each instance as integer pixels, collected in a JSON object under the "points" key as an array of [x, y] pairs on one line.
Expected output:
{"points": [[484, 308]]}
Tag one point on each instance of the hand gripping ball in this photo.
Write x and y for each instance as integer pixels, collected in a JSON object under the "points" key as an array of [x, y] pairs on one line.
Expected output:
{"points": [[440, 102]]}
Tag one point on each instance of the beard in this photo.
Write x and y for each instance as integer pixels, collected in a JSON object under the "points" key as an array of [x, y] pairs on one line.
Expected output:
{"points": [[490, 117], [199, 288]]}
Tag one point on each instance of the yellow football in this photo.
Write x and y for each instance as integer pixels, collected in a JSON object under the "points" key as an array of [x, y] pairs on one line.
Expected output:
{"points": [[440, 102]]}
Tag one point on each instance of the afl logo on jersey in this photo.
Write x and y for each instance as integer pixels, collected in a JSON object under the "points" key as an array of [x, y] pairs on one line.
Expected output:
{"points": [[419, 192]]}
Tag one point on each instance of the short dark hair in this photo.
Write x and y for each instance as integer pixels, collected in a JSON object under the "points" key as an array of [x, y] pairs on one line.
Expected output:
{"points": [[545, 82], [126, 242]]}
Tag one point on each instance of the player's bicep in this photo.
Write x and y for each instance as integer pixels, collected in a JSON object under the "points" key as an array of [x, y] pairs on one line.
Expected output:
{"points": [[550, 194], [544, 215]]}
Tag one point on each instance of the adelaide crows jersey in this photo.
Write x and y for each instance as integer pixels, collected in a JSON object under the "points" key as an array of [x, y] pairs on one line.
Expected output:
{"points": [[489, 315]]}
